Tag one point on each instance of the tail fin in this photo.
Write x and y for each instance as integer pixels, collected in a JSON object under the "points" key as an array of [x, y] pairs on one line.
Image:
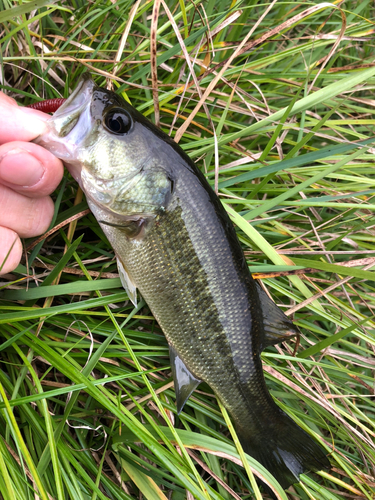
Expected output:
{"points": [[284, 449]]}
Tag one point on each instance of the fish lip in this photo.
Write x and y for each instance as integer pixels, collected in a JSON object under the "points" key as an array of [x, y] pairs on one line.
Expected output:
{"points": [[85, 85], [80, 99], [67, 147]]}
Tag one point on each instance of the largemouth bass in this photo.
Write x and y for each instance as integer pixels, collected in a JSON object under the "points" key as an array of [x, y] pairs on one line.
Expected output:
{"points": [[175, 243]]}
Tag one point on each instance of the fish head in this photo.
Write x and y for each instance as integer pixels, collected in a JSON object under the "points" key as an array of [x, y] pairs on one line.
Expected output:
{"points": [[111, 150]]}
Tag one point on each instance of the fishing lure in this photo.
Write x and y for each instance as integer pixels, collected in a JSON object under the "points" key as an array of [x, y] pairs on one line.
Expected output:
{"points": [[47, 106]]}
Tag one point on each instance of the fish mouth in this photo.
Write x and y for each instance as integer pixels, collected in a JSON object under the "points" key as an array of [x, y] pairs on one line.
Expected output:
{"points": [[70, 125], [66, 117]]}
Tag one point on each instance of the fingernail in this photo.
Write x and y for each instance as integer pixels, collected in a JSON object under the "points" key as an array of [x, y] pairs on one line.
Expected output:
{"points": [[20, 168]]}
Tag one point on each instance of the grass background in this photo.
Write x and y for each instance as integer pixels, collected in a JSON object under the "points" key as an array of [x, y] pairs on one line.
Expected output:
{"points": [[275, 103]]}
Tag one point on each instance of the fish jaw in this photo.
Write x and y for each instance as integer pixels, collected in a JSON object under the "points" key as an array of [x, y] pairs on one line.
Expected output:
{"points": [[69, 127]]}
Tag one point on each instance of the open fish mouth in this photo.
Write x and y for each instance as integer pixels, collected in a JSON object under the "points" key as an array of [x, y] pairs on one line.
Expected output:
{"points": [[71, 123], [76, 102]]}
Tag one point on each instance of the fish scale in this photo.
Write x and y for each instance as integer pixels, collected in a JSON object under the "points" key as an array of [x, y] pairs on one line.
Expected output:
{"points": [[175, 243]]}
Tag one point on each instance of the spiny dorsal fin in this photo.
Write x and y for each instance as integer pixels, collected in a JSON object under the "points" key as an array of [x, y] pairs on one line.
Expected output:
{"points": [[277, 326], [127, 282], [184, 381]]}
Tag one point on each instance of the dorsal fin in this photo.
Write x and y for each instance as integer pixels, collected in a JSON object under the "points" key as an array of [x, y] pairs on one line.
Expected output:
{"points": [[184, 381], [277, 326]]}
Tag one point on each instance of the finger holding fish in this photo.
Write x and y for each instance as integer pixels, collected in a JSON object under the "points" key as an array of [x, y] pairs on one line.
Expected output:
{"points": [[28, 174]]}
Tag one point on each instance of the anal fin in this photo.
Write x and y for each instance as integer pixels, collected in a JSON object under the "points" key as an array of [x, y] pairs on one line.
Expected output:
{"points": [[127, 282], [184, 381], [277, 326]]}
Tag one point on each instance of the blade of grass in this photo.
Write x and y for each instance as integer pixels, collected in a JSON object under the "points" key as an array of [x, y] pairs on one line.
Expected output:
{"points": [[17, 436]]}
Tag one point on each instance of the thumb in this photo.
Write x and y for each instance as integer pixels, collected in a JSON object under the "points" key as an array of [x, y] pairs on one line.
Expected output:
{"points": [[18, 123]]}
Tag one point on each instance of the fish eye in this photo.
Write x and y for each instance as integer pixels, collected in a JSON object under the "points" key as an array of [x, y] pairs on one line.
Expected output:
{"points": [[117, 121]]}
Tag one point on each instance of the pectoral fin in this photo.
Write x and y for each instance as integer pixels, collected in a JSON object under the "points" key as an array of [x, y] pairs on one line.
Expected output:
{"points": [[184, 381], [127, 282], [277, 326]]}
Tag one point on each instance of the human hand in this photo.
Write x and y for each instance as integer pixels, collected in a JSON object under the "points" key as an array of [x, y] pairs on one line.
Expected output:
{"points": [[28, 174]]}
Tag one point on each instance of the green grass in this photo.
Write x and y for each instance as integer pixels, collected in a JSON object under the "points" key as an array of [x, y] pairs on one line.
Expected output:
{"points": [[285, 135]]}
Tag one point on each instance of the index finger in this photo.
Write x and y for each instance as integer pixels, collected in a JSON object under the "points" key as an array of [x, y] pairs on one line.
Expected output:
{"points": [[18, 123]]}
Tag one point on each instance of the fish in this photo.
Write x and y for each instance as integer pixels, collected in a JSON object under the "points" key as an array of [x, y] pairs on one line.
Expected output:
{"points": [[177, 247]]}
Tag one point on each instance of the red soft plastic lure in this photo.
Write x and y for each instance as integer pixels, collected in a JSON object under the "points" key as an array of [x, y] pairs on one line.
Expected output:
{"points": [[48, 106]]}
